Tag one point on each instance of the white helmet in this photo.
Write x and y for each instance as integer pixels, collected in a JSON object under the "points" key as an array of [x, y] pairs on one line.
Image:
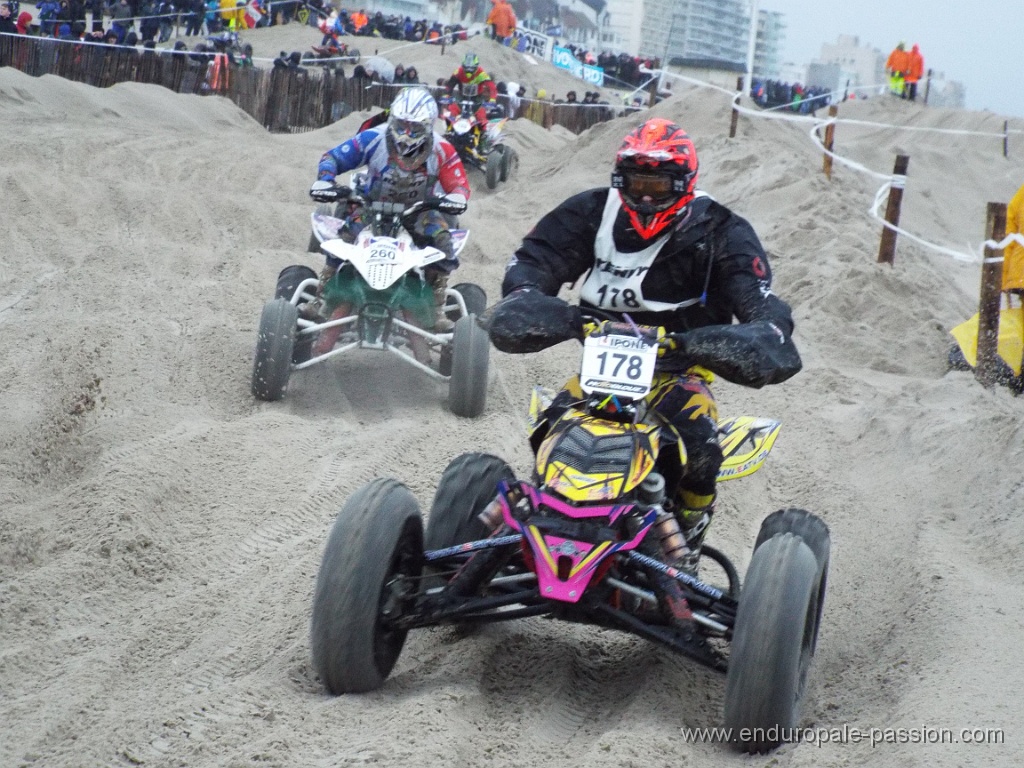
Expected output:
{"points": [[410, 133]]}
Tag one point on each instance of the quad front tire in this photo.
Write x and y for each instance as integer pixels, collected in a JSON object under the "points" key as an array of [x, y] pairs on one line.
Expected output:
{"points": [[291, 277], [470, 356], [275, 346], [508, 158], [369, 573], [773, 642], [493, 168]]}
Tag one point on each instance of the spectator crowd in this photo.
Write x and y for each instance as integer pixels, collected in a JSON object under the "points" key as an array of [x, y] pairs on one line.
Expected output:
{"points": [[772, 94]]}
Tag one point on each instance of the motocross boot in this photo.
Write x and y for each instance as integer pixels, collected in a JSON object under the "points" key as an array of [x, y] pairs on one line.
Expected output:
{"points": [[694, 514], [438, 280]]}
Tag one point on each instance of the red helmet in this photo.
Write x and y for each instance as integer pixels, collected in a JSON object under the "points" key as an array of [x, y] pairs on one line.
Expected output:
{"points": [[655, 173]]}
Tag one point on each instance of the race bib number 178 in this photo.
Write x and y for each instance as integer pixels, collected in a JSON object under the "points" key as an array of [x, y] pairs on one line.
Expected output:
{"points": [[618, 365]]}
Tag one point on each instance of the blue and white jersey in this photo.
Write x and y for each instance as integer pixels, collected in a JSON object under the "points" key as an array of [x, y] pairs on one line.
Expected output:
{"points": [[442, 173]]}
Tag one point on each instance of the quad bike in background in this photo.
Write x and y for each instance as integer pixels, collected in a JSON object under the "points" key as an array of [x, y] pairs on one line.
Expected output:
{"points": [[481, 147], [333, 52], [380, 301], [228, 41], [590, 538]]}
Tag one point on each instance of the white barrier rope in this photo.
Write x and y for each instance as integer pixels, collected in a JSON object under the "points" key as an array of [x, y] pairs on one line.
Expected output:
{"points": [[891, 181]]}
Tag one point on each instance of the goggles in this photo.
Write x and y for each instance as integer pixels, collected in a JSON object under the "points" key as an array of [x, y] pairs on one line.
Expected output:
{"points": [[408, 133], [637, 184]]}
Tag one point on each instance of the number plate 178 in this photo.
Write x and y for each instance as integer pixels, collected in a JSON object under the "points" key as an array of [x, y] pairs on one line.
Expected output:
{"points": [[618, 365]]}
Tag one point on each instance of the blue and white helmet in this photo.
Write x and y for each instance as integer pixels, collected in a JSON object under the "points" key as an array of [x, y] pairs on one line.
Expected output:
{"points": [[410, 133]]}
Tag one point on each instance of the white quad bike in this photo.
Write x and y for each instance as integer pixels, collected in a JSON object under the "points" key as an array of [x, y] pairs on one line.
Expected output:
{"points": [[378, 299]]}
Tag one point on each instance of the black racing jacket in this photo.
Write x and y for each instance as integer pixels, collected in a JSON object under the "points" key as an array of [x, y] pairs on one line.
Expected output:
{"points": [[712, 254]]}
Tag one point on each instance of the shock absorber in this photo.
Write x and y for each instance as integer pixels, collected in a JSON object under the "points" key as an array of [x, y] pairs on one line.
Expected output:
{"points": [[491, 514], [666, 527]]}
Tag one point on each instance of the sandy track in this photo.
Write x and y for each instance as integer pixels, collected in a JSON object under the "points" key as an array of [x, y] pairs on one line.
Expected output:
{"points": [[160, 531]]}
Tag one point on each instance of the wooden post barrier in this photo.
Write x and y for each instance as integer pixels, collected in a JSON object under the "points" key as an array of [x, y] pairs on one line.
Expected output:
{"points": [[735, 112], [830, 135], [1006, 138], [991, 295], [927, 86], [652, 87], [887, 247]]}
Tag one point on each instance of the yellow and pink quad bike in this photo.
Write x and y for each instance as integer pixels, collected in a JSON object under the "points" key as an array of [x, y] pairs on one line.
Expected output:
{"points": [[589, 538]]}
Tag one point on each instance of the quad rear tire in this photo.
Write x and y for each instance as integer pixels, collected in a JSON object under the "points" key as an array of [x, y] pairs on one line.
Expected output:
{"points": [[373, 554], [475, 298], [290, 279], [467, 485], [275, 346], [470, 355], [809, 527], [773, 642]]}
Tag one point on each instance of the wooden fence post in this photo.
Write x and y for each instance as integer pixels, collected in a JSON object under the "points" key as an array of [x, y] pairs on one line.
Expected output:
{"points": [[927, 86], [991, 295], [653, 95], [735, 112], [1006, 138], [830, 134], [887, 247]]}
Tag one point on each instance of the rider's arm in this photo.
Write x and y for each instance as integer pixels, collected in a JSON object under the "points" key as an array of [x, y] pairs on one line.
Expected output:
{"points": [[759, 349], [348, 155], [451, 174], [560, 248]]}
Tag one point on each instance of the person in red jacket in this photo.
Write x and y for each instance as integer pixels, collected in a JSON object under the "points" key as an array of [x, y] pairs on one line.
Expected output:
{"points": [[474, 82], [914, 71]]}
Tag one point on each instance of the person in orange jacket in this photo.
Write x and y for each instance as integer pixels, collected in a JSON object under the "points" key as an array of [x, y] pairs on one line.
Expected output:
{"points": [[503, 17], [914, 71], [359, 21], [896, 65]]}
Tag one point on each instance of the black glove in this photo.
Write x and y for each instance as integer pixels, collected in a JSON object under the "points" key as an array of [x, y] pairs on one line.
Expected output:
{"points": [[528, 320], [324, 191], [752, 354]]}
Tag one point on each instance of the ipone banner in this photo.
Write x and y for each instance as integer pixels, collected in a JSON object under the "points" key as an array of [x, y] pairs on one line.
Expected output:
{"points": [[563, 58], [534, 43]]}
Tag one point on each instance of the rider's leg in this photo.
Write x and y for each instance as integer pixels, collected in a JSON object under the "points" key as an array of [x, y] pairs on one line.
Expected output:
{"points": [[436, 229], [690, 406]]}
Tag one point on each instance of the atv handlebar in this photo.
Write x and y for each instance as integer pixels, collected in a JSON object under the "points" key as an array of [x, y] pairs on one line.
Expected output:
{"points": [[668, 343], [327, 192]]}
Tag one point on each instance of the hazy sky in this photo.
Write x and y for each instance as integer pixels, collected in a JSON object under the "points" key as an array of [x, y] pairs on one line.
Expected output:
{"points": [[978, 42]]}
